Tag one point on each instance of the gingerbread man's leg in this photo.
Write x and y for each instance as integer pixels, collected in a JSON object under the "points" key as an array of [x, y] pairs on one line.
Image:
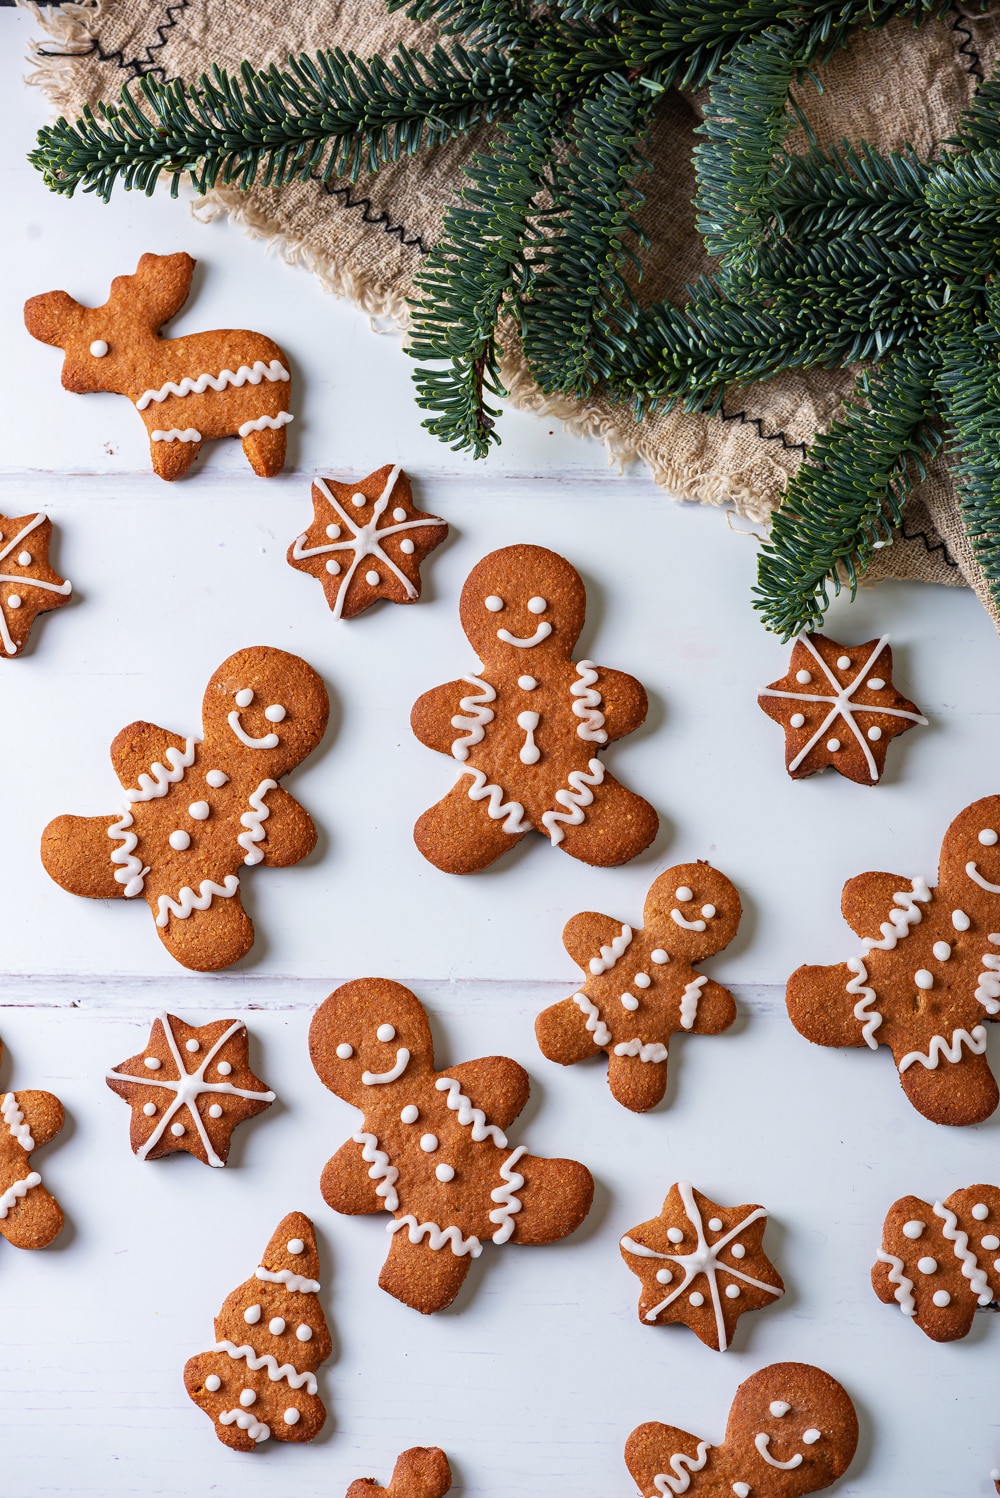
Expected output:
{"points": [[76, 853], [562, 1034], [206, 940], [635, 1083], [265, 451], [615, 827], [555, 1198], [459, 836], [32, 1218], [171, 460], [425, 1278], [950, 1093]]}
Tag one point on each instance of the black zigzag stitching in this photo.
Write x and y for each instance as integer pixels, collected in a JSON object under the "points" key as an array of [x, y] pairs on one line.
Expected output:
{"points": [[381, 219], [136, 66], [966, 48], [939, 545], [755, 421]]}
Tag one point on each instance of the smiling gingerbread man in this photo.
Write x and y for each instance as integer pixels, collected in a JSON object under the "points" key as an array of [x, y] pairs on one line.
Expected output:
{"points": [[526, 730]]}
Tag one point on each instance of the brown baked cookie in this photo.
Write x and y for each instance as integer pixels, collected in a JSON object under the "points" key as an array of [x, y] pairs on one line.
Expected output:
{"points": [[938, 1263], [641, 987], [792, 1430], [367, 541], [29, 1216], [701, 1264], [929, 976], [527, 729], [196, 810], [29, 586], [432, 1150], [839, 708], [421, 1472], [271, 1336], [189, 1088], [227, 383]]}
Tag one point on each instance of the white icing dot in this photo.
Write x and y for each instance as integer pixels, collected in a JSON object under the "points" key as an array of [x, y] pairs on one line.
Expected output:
{"points": [[445, 1172], [923, 978], [177, 1130], [732, 1291], [833, 745], [386, 1033], [333, 531], [24, 559], [537, 605], [215, 1111], [247, 1398], [741, 1489], [811, 1436], [797, 720], [941, 1298], [664, 1276], [98, 348], [179, 840], [275, 713], [683, 893], [251, 1315], [14, 600], [192, 1044], [875, 683], [739, 1251], [980, 1211], [359, 500], [927, 1265], [217, 779], [153, 1062], [642, 980], [913, 1229], [715, 1223], [428, 1143], [295, 1246], [874, 733], [291, 1415], [629, 1001], [996, 1265], [399, 514], [199, 810], [372, 578], [494, 603], [213, 1382], [941, 950], [987, 837], [697, 1299], [659, 956], [779, 1408], [803, 678], [149, 1109], [407, 547], [276, 1325], [708, 911], [345, 1051], [225, 1067], [410, 1114], [304, 1332], [333, 566], [675, 1235], [843, 661], [527, 683], [244, 697], [991, 1243], [960, 920]]}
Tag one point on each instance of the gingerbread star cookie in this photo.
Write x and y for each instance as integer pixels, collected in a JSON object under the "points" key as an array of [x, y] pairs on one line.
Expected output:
{"points": [[29, 1216], [839, 708], [367, 541], [432, 1150], [929, 976], [421, 1472], [701, 1264], [792, 1430], [28, 584], [939, 1263], [189, 1088], [641, 986]]}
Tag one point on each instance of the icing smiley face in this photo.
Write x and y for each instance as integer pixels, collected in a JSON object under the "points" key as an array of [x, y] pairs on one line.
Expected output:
{"points": [[522, 601], [255, 704]]}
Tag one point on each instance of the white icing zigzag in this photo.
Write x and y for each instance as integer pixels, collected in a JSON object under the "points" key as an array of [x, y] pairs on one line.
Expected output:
{"points": [[479, 716], [512, 812], [14, 1119], [678, 1462], [509, 1203], [596, 1026], [988, 987], [959, 1241], [904, 1294], [380, 1170], [255, 1429], [187, 901], [588, 704], [272, 423], [243, 376], [151, 787], [253, 819], [653, 1051], [899, 922], [575, 798], [15, 1192], [689, 1001], [270, 1362], [436, 1237], [871, 1017], [468, 1115], [300, 1283], [610, 955], [976, 1042]]}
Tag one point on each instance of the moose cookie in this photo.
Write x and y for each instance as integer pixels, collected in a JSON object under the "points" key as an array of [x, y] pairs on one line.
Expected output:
{"points": [[359, 548], [701, 1264], [259, 1380], [197, 810], [938, 1263], [839, 708], [792, 1430], [641, 987], [432, 1150], [29, 1216], [29, 586], [227, 383], [421, 1472], [527, 730], [929, 976], [189, 1088]]}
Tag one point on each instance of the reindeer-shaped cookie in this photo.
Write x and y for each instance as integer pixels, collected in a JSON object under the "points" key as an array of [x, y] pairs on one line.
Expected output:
{"points": [[197, 811], [939, 1263], [526, 730], [792, 1430], [641, 987], [432, 1150], [29, 1216], [421, 1472], [929, 977], [226, 383]]}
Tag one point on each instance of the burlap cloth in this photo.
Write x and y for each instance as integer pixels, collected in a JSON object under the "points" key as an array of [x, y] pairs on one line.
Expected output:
{"points": [[366, 241]]}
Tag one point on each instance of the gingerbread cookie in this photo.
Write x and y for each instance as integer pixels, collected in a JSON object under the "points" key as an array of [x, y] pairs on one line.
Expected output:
{"points": [[196, 810], [641, 987], [29, 586], [359, 549], [701, 1264], [938, 1263], [29, 1216], [421, 1472], [432, 1149], [227, 383], [259, 1380], [189, 1088], [839, 708], [929, 976], [792, 1430], [530, 726]]}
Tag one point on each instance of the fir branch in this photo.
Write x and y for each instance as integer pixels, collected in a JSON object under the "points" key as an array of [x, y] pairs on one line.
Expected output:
{"points": [[962, 198], [849, 191], [969, 385], [484, 23]]}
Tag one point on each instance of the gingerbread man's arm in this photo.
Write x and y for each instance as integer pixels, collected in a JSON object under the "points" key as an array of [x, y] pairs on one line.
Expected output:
{"points": [[562, 1034], [138, 747], [825, 1010], [555, 1197], [43, 1113], [716, 1008], [76, 853], [346, 1184], [431, 715], [653, 1449], [495, 1084], [585, 935], [289, 830], [623, 702], [868, 902]]}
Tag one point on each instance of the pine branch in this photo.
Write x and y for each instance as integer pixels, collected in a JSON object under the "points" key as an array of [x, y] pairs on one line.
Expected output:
{"points": [[849, 192], [962, 198], [969, 384], [484, 23]]}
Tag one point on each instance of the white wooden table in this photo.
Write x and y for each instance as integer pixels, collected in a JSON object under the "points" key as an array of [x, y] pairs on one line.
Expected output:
{"points": [[534, 1378]]}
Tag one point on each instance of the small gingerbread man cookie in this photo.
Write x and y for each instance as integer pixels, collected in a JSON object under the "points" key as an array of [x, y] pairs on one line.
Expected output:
{"points": [[29, 1216], [197, 810], [359, 548], [526, 730], [421, 1472], [792, 1430], [939, 1263], [929, 976], [701, 1264], [432, 1149], [29, 586], [641, 987]]}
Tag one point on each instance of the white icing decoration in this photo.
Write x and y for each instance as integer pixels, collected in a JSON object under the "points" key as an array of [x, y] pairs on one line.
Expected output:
{"points": [[977, 878], [410, 1114], [479, 714], [684, 893], [527, 683], [153, 1062], [939, 1046], [988, 837], [267, 1360], [526, 642], [610, 954], [24, 559], [304, 1332], [175, 434], [200, 811], [588, 704], [874, 733], [763, 1441], [660, 956], [741, 1489], [428, 1143], [494, 603], [149, 1109], [978, 1283], [179, 840], [268, 741], [437, 1237], [64, 588], [244, 697], [252, 1315], [537, 605], [380, 1170], [688, 925], [468, 1116], [377, 1078], [13, 601], [272, 423], [529, 753], [215, 1111], [641, 980], [14, 1119], [98, 348], [696, 1298], [780, 1407], [509, 1203], [152, 785], [629, 1001], [960, 920], [444, 1172], [244, 375], [399, 513], [224, 1068], [275, 713], [833, 745], [300, 1283], [372, 578], [255, 1429], [689, 1001], [217, 779], [253, 821], [797, 720], [177, 1129], [876, 684], [651, 1052], [708, 911], [980, 1211], [187, 901], [927, 1265], [19, 1189], [844, 662], [941, 950], [811, 1436], [512, 812], [596, 1026], [681, 1466], [923, 978], [291, 1416], [899, 922], [913, 1229], [574, 798], [213, 1382], [803, 678], [385, 1033]]}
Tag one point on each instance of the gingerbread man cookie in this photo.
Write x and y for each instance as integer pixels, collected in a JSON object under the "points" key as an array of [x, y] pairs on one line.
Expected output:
{"points": [[421, 1472], [359, 549], [527, 729], [938, 1263], [196, 810], [839, 708], [432, 1149], [701, 1264], [641, 987], [929, 976], [792, 1430], [259, 1380], [227, 383], [29, 1216], [29, 586], [189, 1088]]}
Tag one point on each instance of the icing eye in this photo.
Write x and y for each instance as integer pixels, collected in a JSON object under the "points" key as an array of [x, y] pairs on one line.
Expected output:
{"points": [[276, 1325], [811, 1436], [275, 713], [708, 911], [913, 1229], [304, 1332], [494, 603], [386, 1033], [537, 605], [295, 1246], [213, 1382], [778, 1408], [244, 697], [345, 1051], [980, 1211], [683, 893], [98, 348], [987, 837]]}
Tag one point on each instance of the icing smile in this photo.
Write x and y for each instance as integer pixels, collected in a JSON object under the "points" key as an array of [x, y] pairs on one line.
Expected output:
{"points": [[375, 1078], [525, 643], [763, 1441]]}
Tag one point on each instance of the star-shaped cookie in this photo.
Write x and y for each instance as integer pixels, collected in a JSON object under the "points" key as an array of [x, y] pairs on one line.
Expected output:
{"points": [[189, 1089], [28, 585], [701, 1264], [367, 541], [839, 708]]}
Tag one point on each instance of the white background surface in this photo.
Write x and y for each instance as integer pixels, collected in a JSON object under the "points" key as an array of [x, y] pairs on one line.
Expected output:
{"points": [[534, 1378]]}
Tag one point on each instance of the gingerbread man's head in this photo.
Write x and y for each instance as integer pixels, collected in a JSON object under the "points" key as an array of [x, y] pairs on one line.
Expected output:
{"points": [[267, 706], [368, 1034], [792, 1430], [969, 872], [522, 604], [693, 911]]}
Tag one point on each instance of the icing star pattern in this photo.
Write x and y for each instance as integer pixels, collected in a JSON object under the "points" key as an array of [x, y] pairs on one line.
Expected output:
{"points": [[28, 584], [421, 1472], [839, 708], [367, 541]]}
